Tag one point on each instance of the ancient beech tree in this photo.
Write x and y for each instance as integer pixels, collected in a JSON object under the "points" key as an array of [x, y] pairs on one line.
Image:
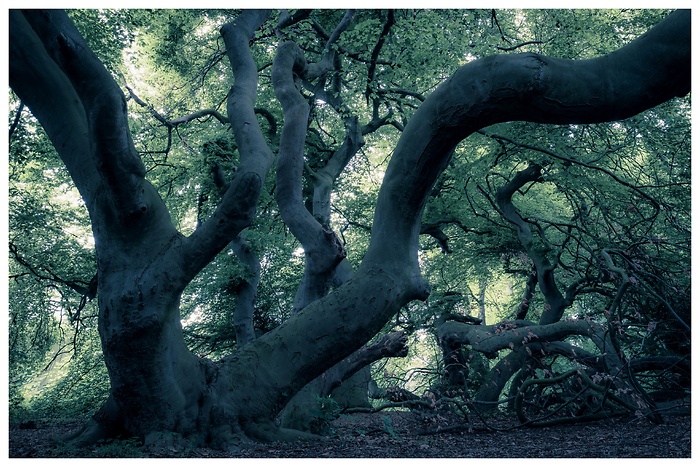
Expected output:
{"points": [[157, 385]]}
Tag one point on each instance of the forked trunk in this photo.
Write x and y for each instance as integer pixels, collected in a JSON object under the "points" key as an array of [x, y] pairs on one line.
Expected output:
{"points": [[158, 386]]}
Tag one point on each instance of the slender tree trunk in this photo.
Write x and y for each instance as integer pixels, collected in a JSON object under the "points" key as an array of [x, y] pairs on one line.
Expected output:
{"points": [[246, 292], [483, 284], [555, 302]]}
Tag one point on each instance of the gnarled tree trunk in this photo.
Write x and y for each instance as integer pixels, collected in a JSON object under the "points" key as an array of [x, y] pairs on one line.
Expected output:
{"points": [[157, 385]]}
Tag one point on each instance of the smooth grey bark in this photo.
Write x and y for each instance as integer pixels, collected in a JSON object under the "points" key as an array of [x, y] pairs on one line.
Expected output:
{"points": [[322, 249], [556, 304], [389, 345], [246, 292], [492, 338], [302, 412], [244, 288], [157, 385], [527, 87], [324, 254], [325, 265]]}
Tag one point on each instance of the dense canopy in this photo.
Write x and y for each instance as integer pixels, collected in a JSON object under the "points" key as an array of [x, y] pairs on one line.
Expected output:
{"points": [[235, 224]]}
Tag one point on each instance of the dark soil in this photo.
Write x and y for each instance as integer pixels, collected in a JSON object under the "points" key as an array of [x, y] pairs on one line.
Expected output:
{"points": [[406, 435]]}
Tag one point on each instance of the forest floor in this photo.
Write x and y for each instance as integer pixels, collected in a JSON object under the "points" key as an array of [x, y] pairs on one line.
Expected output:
{"points": [[406, 435]]}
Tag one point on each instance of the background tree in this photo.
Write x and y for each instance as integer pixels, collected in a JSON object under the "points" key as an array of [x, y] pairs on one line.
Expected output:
{"points": [[166, 219]]}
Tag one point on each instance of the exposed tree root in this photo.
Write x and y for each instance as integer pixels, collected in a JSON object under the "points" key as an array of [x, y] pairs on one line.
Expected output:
{"points": [[92, 432], [105, 424]]}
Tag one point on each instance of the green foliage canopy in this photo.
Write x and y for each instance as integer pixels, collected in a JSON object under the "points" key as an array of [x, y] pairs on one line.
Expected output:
{"points": [[621, 188]]}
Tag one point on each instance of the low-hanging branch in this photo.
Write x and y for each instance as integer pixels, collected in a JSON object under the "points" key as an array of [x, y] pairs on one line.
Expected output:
{"points": [[158, 385]]}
